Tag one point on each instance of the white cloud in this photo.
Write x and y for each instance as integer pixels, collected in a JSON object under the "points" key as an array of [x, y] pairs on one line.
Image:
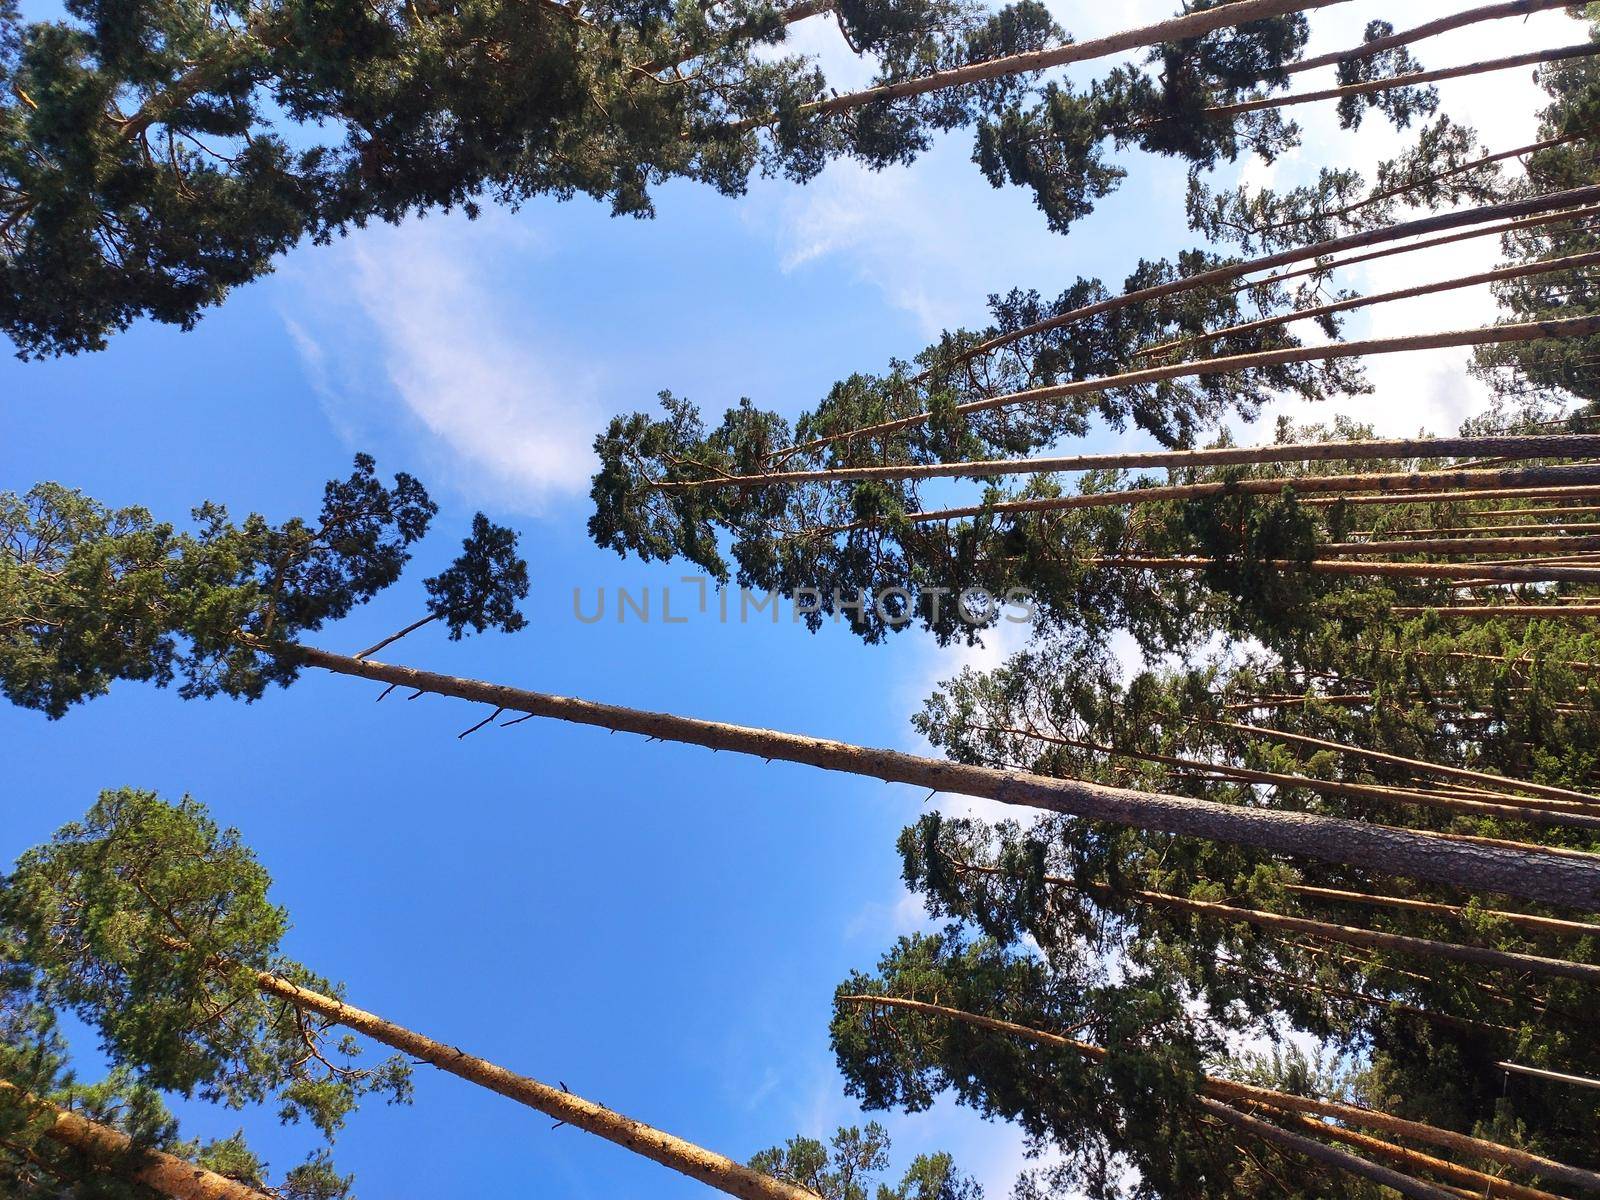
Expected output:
{"points": [[416, 322]]}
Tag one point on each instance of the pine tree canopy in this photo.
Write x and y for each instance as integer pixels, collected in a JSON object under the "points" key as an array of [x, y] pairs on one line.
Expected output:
{"points": [[148, 923], [153, 158], [851, 1162], [90, 595], [1185, 347]]}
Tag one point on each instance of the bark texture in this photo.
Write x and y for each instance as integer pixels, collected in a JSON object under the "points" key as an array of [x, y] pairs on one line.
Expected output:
{"points": [[1544, 875]]}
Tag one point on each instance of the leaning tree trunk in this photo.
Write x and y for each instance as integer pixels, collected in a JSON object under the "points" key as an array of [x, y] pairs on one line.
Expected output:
{"points": [[1477, 1182], [1408, 37], [1549, 266], [1174, 29], [1548, 876], [1415, 182], [1404, 486], [1523, 446], [115, 1152], [1414, 79], [1233, 1092], [707, 1166], [1332, 1156], [1348, 935], [1503, 782], [1313, 253], [1495, 335]]}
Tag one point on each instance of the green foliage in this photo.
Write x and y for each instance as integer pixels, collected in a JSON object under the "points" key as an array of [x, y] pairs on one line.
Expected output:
{"points": [[34, 1054], [1557, 368], [90, 595], [1400, 105], [828, 543], [1124, 1126], [1434, 172], [847, 1167], [482, 587], [154, 157], [151, 923]]}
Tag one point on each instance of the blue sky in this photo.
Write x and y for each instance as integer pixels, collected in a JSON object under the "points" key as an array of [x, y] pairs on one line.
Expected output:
{"points": [[659, 927]]}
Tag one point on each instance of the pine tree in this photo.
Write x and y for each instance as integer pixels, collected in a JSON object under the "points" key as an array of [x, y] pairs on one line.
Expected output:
{"points": [[90, 595], [849, 1164], [152, 159], [152, 926]]}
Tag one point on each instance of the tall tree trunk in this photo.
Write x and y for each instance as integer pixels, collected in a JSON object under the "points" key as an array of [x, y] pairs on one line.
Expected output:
{"points": [[1502, 782], [1315, 252], [1477, 572], [1191, 25], [1415, 182], [1553, 494], [1414, 79], [1495, 612], [1542, 875], [1408, 37], [1587, 817], [1324, 266], [115, 1152], [1321, 1152], [1408, 486], [1479, 1183], [1228, 1090], [1347, 935], [1529, 544], [707, 1166], [1547, 445], [1499, 275], [1495, 335], [1530, 921], [1373, 1001]]}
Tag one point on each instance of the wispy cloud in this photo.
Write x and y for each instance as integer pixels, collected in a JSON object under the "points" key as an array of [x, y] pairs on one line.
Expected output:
{"points": [[415, 321]]}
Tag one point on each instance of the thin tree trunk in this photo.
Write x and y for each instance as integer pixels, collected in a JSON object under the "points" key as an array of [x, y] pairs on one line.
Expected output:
{"points": [[1530, 921], [1548, 511], [1499, 275], [115, 1152], [1585, 816], [788, 15], [1229, 1090], [1346, 935], [694, 1161], [1174, 29], [1512, 481], [1494, 612], [1532, 544], [1413, 1160], [1583, 492], [1467, 656], [1408, 37], [1332, 1156], [1437, 223], [1485, 531], [1550, 1076], [1371, 939], [1415, 182], [1369, 999], [1495, 335], [1377, 570], [1502, 782], [1558, 445], [1324, 267], [1545, 876], [1416, 78]]}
